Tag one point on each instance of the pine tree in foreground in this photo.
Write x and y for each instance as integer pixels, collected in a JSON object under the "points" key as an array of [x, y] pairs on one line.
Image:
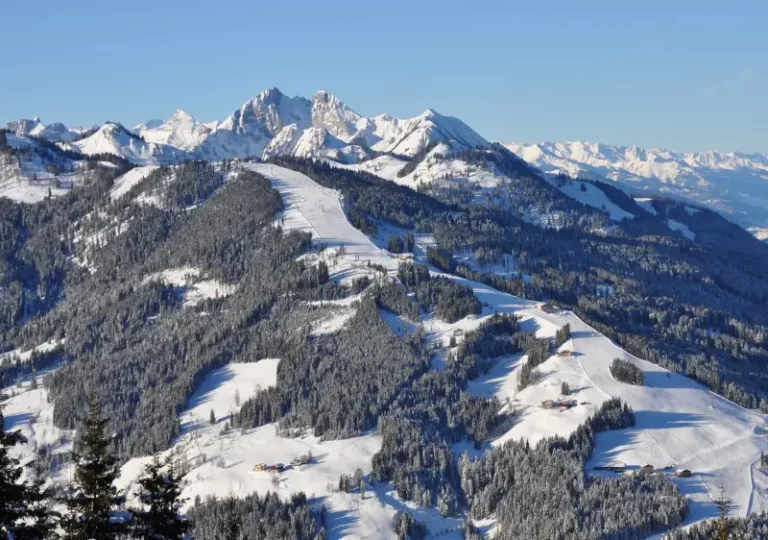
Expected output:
{"points": [[93, 497], [23, 510], [159, 495]]}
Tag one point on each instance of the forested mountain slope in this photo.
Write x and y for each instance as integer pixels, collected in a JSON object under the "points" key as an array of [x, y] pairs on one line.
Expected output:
{"points": [[729, 182], [231, 314]]}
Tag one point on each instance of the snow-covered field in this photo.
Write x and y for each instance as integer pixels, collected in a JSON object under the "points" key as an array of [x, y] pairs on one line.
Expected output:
{"points": [[591, 195], [29, 411], [193, 285], [125, 183]]}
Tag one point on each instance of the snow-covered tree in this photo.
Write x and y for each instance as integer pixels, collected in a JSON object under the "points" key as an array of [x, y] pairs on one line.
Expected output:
{"points": [[23, 510], [160, 497], [93, 497]]}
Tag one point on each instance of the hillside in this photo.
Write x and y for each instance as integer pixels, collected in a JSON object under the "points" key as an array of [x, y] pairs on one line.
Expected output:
{"points": [[182, 274], [731, 183]]}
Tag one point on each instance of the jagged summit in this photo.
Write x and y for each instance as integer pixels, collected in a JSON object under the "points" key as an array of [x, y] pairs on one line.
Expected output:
{"points": [[114, 138], [273, 123], [34, 127]]}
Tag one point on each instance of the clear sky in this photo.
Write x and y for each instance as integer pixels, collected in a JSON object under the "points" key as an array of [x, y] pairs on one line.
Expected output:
{"points": [[680, 74]]}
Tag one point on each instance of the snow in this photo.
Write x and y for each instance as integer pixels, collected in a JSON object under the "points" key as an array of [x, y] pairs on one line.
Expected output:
{"points": [[30, 412], [126, 182], [181, 131], [591, 195], [115, 139], [679, 422], [317, 209], [333, 322], [217, 391], [647, 204], [24, 356], [273, 124], [732, 183], [28, 180], [26, 191], [681, 228], [221, 464], [195, 286], [761, 233], [56, 132]]}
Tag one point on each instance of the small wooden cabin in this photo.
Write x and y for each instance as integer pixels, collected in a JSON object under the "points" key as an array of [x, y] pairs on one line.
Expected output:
{"points": [[564, 354]]}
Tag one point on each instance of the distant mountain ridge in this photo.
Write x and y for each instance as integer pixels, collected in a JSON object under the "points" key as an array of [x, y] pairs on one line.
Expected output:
{"points": [[274, 124], [733, 183], [34, 127]]}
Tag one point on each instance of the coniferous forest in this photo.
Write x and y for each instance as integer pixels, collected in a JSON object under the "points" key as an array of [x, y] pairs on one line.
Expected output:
{"points": [[85, 272]]}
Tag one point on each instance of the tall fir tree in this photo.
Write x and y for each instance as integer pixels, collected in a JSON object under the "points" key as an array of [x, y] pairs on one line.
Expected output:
{"points": [[160, 497], [23, 505], [722, 503], [93, 497]]}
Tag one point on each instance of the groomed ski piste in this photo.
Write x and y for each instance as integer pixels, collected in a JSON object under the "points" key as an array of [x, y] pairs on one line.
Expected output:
{"points": [[680, 423]]}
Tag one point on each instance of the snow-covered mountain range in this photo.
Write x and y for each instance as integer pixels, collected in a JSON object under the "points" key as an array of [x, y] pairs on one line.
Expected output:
{"points": [[733, 183], [272, 124], [34, 127], [114, 139]]}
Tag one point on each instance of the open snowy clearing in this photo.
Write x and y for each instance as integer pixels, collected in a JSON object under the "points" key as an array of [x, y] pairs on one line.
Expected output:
{"points": [[24, 356], [193, 285], [126, 182], [591, 195], [29, 411]]}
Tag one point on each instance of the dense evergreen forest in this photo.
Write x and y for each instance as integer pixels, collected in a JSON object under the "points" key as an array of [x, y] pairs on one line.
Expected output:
{"points": [[83, 270], [752, 527]]}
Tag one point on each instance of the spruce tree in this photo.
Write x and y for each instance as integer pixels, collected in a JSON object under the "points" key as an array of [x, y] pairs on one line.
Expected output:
{"points": [[722, 508], [159, 494], [23, 509], [93, 497]]}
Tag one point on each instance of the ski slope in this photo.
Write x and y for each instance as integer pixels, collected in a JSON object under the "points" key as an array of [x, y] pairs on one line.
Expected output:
{"points": [[680, 423]]}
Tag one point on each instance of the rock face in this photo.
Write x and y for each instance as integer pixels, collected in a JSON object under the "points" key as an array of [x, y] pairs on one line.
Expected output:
{"points": [[56, 132], [273, 124]]}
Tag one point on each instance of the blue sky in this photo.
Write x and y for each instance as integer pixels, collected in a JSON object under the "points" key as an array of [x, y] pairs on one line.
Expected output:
{"points": [[682, 74]]}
